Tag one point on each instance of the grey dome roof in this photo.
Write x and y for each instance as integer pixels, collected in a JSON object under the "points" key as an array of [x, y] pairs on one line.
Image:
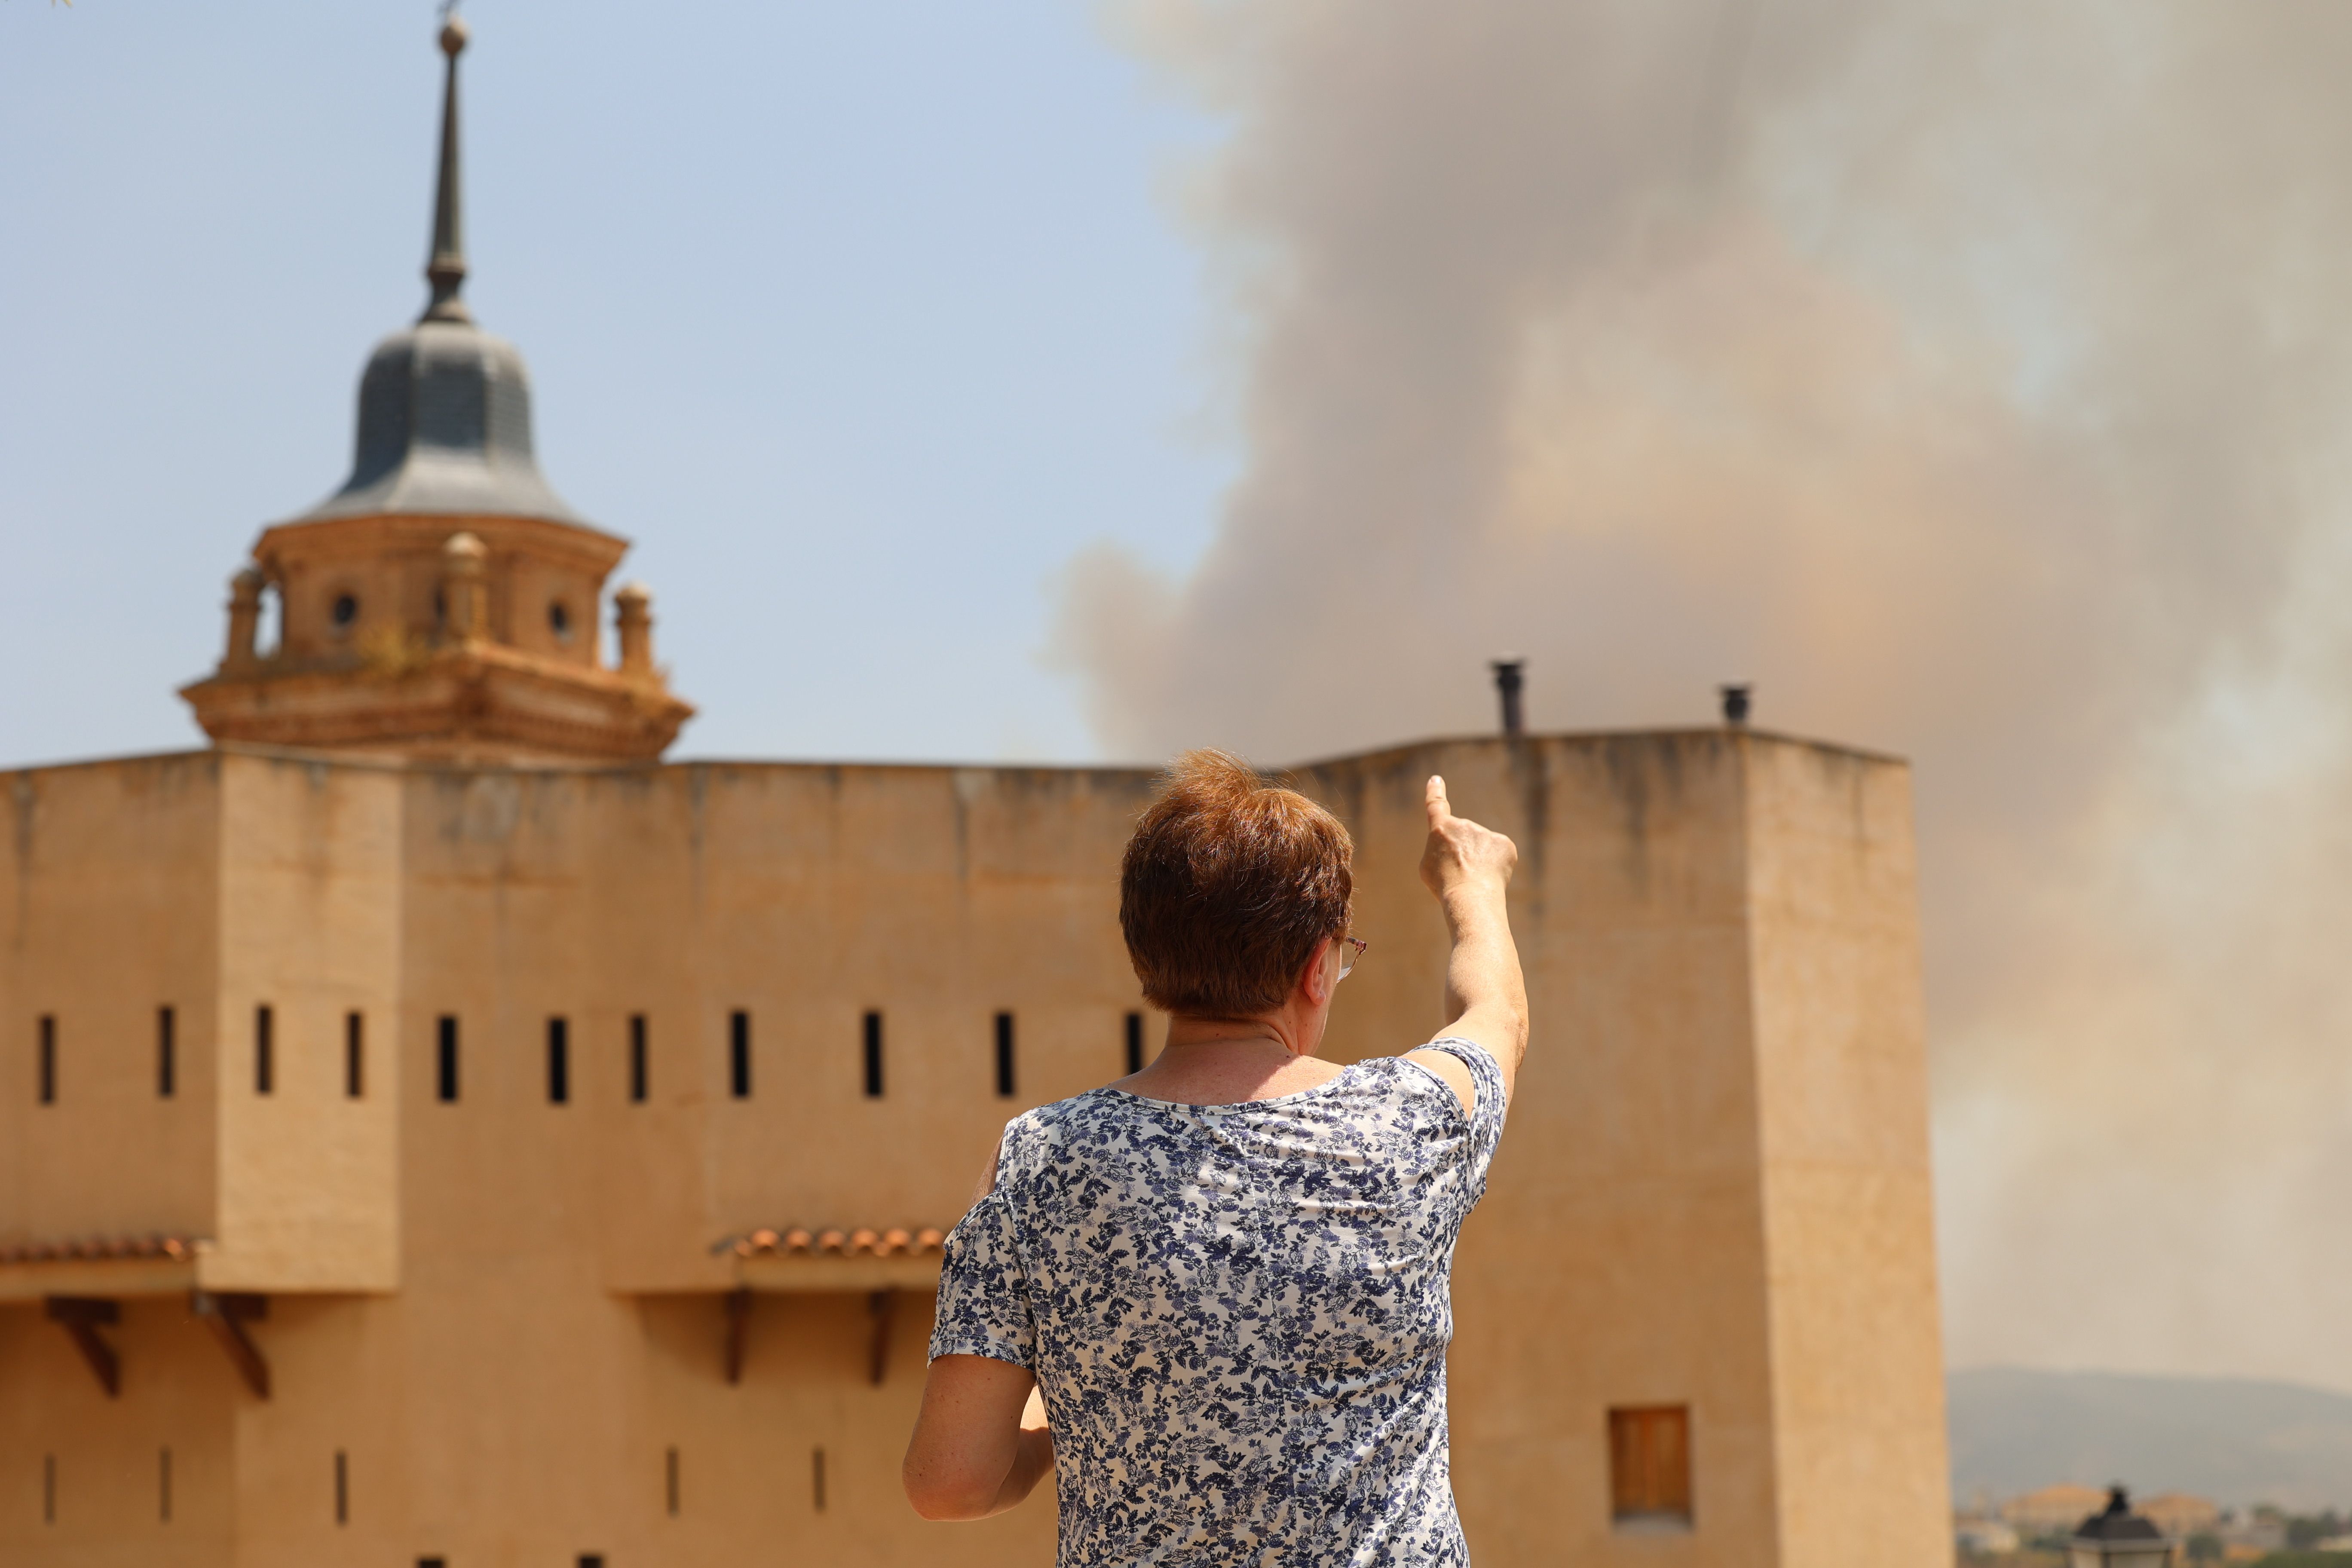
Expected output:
{"points": [[445, 427], [445, 408], [2116, 1522]]}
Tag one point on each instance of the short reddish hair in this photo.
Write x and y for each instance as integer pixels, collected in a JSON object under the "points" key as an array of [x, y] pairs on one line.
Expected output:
{"points": [[1227, 885]]}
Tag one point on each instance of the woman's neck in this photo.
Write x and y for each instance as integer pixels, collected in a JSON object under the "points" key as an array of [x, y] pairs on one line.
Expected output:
{"points": [[1191, 1033], [1226, 1061]]}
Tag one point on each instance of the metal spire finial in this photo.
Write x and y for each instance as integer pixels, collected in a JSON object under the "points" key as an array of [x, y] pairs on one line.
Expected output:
{"points": [[445, 269]]}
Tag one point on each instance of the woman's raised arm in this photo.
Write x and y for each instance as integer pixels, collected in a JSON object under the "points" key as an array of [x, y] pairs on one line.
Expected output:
{"points": [[1468, 867]]}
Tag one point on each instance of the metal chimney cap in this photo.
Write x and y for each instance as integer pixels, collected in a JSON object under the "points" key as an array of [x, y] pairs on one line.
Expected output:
{"points": [[1510, 679], [1736, 704]]}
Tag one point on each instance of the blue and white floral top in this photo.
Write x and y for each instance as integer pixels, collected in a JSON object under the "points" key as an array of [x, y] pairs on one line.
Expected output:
{"points": [[1238, 1313]]}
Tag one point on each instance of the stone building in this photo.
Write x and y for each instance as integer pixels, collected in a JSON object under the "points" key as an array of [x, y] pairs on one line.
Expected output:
{"points": [[433, 1129]]}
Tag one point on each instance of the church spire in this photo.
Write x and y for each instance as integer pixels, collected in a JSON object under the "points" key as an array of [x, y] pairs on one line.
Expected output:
{"points": [[504, 662], [446, 270]]}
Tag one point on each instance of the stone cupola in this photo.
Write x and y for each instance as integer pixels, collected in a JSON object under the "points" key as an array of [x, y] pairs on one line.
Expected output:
{"points": [[443, 603]]}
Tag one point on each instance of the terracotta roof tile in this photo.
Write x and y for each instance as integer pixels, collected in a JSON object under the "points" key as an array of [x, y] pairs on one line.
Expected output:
{"points": [[92, 1248], [796, 1241]]}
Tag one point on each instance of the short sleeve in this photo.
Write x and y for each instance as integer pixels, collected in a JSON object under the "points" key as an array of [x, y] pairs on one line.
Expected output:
{"points": [[983, 1295], [1486, 1115]]}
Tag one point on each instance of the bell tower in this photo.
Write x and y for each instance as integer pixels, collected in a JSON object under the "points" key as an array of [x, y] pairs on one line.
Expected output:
{"points": [[443, 604]]}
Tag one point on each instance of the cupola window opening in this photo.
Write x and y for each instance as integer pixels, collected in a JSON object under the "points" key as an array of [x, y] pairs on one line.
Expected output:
{"points": [[344, 612], [558, 619]]}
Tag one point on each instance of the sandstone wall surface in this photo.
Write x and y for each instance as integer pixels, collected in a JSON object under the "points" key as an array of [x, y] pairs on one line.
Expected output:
{"points": [[508, 1313]]}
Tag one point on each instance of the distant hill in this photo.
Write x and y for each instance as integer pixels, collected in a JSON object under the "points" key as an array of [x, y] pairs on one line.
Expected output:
{"points": [[2234, 1440]]}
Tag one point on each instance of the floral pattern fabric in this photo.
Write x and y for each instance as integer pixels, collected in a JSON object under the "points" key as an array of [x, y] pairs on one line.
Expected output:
{"points": [[1238, 1315]]}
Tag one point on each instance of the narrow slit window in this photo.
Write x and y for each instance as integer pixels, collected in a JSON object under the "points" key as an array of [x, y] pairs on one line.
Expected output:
{"points": [[558, 1061], [669, 1480], [264, 1064], [354, 1055], [48, 1488], [816, 1478], [1649, 1465], [163, 1485], [1135, 1042], [739, 1054], [47, 1069], [1004, 1081], [873, 1057], [446, 1062], [637, 1057], [342, 1488], [167, 1065]]}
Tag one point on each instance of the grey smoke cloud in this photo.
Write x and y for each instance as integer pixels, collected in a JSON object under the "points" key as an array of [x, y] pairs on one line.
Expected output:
{"points": [[1972, 378]]}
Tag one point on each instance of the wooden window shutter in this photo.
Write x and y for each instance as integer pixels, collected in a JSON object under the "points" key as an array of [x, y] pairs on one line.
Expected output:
{"points": [[1649, 1463]]}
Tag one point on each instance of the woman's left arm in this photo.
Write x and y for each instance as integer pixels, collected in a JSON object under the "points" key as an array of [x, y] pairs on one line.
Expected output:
{"points": [[980, 1444]]}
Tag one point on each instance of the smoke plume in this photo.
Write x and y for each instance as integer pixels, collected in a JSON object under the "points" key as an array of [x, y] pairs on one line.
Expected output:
{"points": [[1972, 379]]}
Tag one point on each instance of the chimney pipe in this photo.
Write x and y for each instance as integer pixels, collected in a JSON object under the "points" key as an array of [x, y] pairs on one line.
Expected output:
{"points": [[1734, 705], [1509, 681]]}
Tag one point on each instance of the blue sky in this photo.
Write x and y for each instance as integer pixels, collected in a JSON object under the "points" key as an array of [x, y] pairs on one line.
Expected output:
{"points": [[859, 320]]}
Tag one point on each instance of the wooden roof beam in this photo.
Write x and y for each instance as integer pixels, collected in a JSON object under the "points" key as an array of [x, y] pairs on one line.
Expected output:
{"points": [[79, 1316], [227, 1313]]}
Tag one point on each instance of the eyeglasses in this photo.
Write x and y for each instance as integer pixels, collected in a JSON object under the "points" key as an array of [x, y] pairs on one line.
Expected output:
{"points": [[1352, 952]]}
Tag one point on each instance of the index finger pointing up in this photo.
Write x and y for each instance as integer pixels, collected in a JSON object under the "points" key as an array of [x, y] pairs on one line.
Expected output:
{"points": [[1439, 807]]}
